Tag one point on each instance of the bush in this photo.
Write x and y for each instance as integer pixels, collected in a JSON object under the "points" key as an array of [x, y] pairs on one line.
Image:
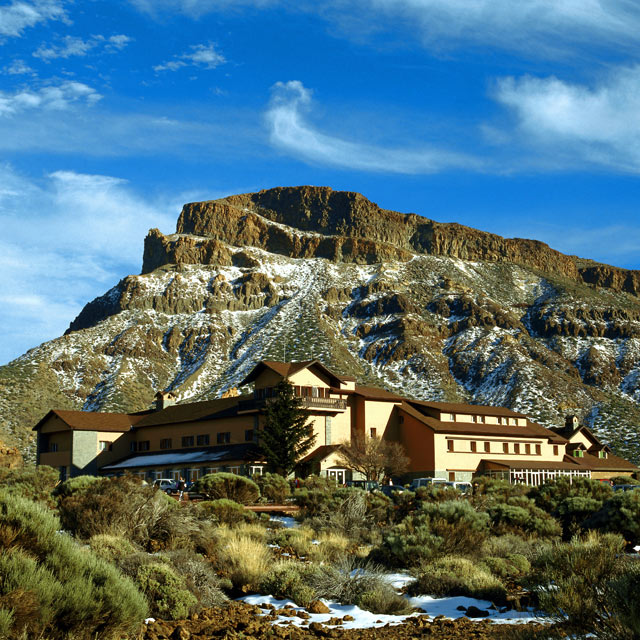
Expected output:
{"points": [[321, 483], [512, 567], [438, 528], [57, 587], [571, 501], [624, 480], [580, 572], [124, 507], [34, 483], [243, 560], [225, 511], [510, 544], [111, 548], [288, 579], [620, 514], [227, 485], [296, 540], [520, 515], [274, 487], [75, 485], [456, 576], [330, 547]]}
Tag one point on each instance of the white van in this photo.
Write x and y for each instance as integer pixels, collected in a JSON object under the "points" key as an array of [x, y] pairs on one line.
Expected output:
{"points": [[426, 482]]}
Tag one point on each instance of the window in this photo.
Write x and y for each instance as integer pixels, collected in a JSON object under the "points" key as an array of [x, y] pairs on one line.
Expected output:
{"points": [[449, 445], [165, 443], [372, 432], [602, 454], [487, 447], [538, 450], [516, 448], [53, 447], [248, 435], [203, 439], [143, 446], [187, 441], [256, 471], [480, 418], [505, 447], [224, 438], [327, 430], [578, 453], [473, 446], [133, 447], [555, 449], [401, 419], [527, 449]]}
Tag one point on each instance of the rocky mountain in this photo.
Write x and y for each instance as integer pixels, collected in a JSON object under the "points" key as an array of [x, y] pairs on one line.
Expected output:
{"points": [[427, 309]]}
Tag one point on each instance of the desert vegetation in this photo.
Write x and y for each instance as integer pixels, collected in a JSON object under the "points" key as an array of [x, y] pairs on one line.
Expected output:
{"points": [[95, 557]]}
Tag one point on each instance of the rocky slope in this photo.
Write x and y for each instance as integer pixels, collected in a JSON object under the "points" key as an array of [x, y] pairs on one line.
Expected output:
{"points": [[430, 310]]}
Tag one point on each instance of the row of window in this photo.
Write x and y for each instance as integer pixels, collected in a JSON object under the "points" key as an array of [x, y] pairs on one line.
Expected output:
{"points": [[203, 440], [194, 474], [507, 447], [303, 392], [452, 417]]}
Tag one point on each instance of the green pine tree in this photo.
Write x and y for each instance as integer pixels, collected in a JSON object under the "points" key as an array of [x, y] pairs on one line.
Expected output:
{"points": [[286, 436]]}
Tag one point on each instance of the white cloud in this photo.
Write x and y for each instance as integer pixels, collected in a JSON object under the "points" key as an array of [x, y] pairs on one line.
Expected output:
{"points": [[292, 133], [204, 56], [72, 46], [16, 68], [51, 97], [65, 240], [19, 15], [197, 8], [598, 124]]}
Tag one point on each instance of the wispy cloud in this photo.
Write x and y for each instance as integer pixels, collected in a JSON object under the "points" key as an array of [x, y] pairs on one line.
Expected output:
{"points": [[197, 8], [72, 46], [21, 14], [203, 56], [580, 124], [292, 133], [51, 97], [65, 240], [16, 68]]}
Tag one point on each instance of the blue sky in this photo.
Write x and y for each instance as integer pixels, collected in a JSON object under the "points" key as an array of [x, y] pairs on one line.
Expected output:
{"points": [[520, 118]]}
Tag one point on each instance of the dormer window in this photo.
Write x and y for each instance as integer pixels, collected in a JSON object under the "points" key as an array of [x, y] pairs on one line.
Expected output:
{"points": [[603, 454], [578, 453]]}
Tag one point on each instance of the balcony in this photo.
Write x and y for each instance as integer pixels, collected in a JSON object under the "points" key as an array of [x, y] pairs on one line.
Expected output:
{"points": [[307, 402]]}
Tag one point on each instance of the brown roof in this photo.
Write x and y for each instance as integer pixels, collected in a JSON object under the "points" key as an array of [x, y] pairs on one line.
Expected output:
{"points": [[192, 411], [456, 407], [532, 464], [375, 393], [610, 463], [286, 369], [532, 430], [93, 420]]}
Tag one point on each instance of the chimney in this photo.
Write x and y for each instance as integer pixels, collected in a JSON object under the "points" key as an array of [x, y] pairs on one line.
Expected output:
{"points": [[165, 399]]}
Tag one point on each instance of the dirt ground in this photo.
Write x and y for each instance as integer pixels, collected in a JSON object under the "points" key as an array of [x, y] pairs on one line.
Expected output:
{"points": [[243, 621]]}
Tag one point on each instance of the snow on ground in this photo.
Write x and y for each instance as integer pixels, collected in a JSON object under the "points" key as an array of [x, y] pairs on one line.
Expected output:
{"points": [[362, 619], [286, 521]]}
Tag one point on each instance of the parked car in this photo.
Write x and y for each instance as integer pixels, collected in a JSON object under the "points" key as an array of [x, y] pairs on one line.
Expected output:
{"points": [[464, 487], [625, 487], [166, 484], [367, 485], [389, 489], [426, 482]]}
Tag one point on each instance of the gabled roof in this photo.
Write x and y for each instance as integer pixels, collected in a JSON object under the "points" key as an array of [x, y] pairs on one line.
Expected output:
{"points": [[246, 452], [320, 453], [611, 463], [369, 393], [93, 420], [569, 432], [531, 430], [192, 411], [287, 369]]}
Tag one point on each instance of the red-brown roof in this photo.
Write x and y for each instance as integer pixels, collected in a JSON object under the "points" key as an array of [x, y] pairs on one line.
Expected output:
{"points": [[532, 464], [93, 420], [287, 369], [457, 407], [532, 430], [610, 463], [190, 412]]}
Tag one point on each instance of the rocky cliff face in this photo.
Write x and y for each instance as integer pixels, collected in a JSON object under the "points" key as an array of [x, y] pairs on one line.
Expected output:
{"points": [[429, 310]]}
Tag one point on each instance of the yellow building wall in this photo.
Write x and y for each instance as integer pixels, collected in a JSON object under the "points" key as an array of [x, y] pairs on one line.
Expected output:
{"points": [[381, 417], [582, 439]]}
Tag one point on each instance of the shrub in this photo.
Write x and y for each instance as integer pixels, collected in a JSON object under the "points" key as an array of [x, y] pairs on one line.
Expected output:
{"points": [[487, 487], [571, 501], [69, 590], [274, 487], [34, 483], [296, 540], [228, 485], [111, 548], [511, 567], [456, 576], [330, 546], [580, 571], [288, 579], [510, 544], [75, 485], [521, 515], [623, 623], [321, 483], [383, 599], [312, 502], [124, 507], [624, 480], [620, 514], [225, 511], [243, 560], [438, 528]]}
